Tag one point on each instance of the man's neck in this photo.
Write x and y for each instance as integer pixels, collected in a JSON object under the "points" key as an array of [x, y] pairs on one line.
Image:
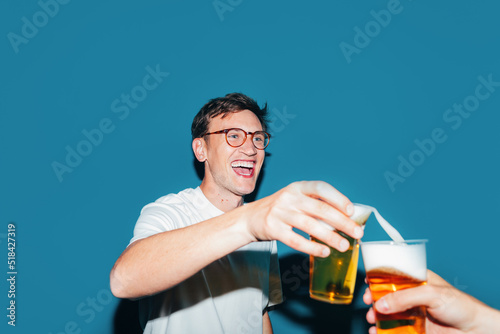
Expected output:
{"points": [[222, 200]]}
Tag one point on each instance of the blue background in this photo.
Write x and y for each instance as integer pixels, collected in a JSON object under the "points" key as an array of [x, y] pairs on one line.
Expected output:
{"points": [[342, 119]]}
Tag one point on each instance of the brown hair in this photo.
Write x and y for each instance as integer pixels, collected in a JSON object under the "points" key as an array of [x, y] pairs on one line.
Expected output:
{"points": [[230, 103]]}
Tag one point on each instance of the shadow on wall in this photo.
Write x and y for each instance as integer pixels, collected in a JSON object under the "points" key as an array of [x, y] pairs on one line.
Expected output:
{"points": [[315, 316], [126, 320]]}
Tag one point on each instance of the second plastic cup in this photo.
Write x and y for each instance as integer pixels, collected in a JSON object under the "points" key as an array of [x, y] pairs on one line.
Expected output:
{"points": [[392, 266]]}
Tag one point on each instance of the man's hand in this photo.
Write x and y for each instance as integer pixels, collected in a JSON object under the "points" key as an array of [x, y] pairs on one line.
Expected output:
{"points": [[449, 310], [300, 205]]}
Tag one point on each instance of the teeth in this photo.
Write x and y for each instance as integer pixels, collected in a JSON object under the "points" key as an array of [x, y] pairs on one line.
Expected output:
{"points": [[247, 164]]}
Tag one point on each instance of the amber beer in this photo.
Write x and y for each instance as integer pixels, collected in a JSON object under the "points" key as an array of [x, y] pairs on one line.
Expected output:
{"points": [[332, 279], [391, 267], [385, 280]]}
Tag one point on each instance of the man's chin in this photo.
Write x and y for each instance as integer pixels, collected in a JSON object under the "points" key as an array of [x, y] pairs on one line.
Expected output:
{"points": [[245, 185], [245, 189], [246, 192]]}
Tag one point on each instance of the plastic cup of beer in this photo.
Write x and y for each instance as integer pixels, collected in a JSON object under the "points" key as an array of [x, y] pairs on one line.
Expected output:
{"points": [[332, 279], [392, 266]]}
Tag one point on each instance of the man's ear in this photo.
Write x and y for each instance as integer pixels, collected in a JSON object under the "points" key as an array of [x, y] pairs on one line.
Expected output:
{"points": [[199, 149]]}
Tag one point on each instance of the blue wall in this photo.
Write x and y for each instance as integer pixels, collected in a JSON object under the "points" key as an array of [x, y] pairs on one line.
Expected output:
{"points": [[389, 101]]}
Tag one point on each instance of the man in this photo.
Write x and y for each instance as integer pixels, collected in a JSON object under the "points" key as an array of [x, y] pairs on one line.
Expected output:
{"points": [[206, 262]]}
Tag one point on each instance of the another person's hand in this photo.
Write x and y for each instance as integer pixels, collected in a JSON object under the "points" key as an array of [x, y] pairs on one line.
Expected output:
{"points": [[449, 310], [299, 205]]}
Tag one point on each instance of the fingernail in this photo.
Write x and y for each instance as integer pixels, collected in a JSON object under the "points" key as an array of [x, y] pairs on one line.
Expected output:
{"points": [[358, 232], [325, 252], [344, 245], [350, 209], [382, 305]]}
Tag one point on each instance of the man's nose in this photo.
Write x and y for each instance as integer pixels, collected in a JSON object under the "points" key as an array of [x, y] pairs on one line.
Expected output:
{"points": [[248, 147]]}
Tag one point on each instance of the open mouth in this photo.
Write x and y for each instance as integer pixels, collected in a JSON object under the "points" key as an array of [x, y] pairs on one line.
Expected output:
{"points": [[243, 168]]}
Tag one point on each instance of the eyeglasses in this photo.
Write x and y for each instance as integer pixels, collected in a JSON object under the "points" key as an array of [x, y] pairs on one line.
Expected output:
{"points": [[236, 137]]}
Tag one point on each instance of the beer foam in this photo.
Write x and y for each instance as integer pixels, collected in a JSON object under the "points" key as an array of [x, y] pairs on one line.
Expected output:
{"points": [[408, 258], [388, 228], [361, 214]]}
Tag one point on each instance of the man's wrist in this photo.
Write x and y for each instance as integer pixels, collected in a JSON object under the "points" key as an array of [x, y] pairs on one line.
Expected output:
{"points": [[240, 224], [487, 320]]}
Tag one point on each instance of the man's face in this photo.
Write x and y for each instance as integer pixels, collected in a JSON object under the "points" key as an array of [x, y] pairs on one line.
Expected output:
{"points": [[233, 169]]}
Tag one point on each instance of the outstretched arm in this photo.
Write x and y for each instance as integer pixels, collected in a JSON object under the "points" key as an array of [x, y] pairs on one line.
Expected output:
{"points": [[156, 263]]}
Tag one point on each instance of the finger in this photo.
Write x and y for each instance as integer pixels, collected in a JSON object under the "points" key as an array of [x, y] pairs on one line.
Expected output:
{"points": [[314, 228], [367, 297], [372, 330], [297, 242], [331, 216], [370, 316], [402, 300], [328, 194]]}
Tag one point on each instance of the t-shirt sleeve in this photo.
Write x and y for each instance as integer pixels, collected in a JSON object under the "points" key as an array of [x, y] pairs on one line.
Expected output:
{"points": [[155, 218], [275, 292]]}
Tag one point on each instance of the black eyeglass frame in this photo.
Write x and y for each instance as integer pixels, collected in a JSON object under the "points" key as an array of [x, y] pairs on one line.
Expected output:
{"points": [[226, 131]]}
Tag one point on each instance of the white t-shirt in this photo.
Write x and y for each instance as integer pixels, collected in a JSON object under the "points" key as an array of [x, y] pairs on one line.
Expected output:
{"points": [[228, 296]]}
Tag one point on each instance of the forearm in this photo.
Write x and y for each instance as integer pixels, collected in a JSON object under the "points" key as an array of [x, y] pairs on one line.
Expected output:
{"points": [[161, 261]]}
